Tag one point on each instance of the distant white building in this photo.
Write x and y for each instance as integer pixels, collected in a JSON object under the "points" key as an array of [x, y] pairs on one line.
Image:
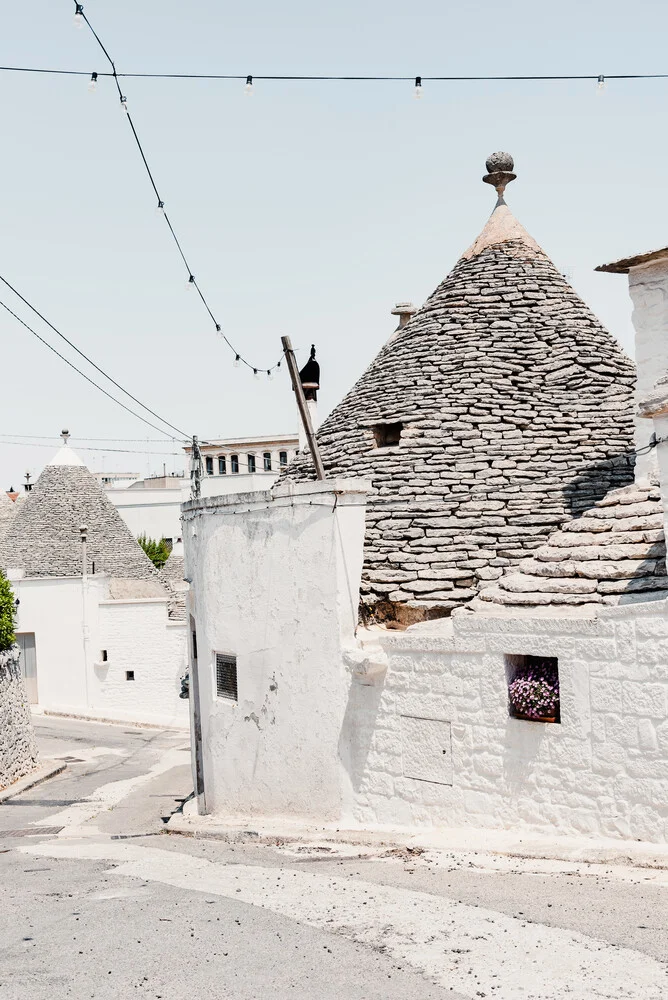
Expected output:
{"points": [[102, 633], [152, 506]]}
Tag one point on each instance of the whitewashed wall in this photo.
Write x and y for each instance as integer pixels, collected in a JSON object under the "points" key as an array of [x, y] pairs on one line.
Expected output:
{"points": [[275, 582], [137, 634], [139, 637], [648, 288], [602, 771]]}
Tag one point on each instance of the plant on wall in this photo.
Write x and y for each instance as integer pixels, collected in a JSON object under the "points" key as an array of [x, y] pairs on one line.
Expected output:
{"points": [[534, 689], [158, 552], [7, 636]]}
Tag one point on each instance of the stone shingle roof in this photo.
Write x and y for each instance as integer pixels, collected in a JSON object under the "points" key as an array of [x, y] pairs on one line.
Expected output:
{"points": [[512, 398], [44, 538], [614, 554], [7, 511]]}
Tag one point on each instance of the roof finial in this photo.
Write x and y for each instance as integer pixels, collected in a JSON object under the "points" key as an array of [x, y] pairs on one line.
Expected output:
{"points": [[65, 435], [500, 172]]}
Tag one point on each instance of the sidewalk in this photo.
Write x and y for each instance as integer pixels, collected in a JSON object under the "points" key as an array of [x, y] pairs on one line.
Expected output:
{"points": [[512, 843], [46, 769]]}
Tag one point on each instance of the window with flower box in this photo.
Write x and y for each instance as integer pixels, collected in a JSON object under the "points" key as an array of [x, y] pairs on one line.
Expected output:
{"points": [[533, 688]]}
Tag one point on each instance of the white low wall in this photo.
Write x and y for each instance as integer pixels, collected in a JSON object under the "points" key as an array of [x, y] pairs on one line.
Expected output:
{"points": [[602, 771], [72, 677], [275, 582]]}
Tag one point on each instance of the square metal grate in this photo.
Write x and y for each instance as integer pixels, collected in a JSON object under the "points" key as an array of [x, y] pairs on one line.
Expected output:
{"points": [[226, 676]]}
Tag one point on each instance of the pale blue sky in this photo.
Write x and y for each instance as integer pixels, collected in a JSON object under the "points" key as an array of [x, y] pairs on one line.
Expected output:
{"points": [[309, 209]]}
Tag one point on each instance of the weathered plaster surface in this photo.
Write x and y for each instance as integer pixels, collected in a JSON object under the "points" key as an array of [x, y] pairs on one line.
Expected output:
{"points": [[648, 288], [18, 750], [275, 582]]}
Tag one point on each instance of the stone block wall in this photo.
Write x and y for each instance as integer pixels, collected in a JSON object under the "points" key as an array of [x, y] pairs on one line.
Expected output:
{"points": [[603, 771], [18, 750]]}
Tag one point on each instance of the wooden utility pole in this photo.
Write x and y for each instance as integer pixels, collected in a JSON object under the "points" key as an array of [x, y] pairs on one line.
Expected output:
{"points": [[303, 408]]}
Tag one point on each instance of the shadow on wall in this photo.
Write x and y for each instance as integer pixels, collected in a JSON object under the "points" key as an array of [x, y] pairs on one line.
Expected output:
{"points": [[358, 728], [592, 484]]}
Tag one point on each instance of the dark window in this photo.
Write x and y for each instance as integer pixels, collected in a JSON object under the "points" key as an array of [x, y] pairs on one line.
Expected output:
{"points": [[267, 461], [251, 463], [226, 676], [283, 457], [193, 635], [103, 656], [387, 435], [533, 688], [209, 465], [129, 675], [234, 463], [222, 469]]}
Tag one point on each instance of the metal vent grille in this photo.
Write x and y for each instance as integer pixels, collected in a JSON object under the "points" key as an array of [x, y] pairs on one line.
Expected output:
{"points": [[226, 676]]}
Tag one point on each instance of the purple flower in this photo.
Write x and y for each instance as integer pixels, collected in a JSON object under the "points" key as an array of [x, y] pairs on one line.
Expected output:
{"points": [[534, 689]]}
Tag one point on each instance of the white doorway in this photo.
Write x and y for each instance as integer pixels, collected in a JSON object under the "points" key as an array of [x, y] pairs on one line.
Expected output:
{"points": [[26, 642]]}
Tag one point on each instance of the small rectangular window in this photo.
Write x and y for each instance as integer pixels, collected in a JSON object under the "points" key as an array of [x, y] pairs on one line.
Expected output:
{"points": [[251, 463], [129, 675], [103, 656], [533, 688], [221, 465], [193, 636], [387, 435], [234, 463], [283, 458], [267, 461], [209, 465], [226, 676]]}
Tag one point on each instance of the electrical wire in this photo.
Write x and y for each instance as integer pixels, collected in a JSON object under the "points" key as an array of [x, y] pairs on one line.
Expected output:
{"points": [[83, 374], [192, 281], [123, 451], [86, 358], [308, 78], [49, 437]]}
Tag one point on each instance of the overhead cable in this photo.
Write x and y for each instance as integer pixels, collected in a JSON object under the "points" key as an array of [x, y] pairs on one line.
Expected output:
{"points": [[83, 374], [123, 451], [336, 78], [90, 362], [192, 281]]}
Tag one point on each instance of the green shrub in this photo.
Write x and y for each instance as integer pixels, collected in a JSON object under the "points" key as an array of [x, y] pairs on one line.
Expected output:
{"points": [[7, 611], [158, 552]]}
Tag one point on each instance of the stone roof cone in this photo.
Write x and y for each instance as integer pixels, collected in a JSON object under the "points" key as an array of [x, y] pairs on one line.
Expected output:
{"points": [[44, 536], [500, 410]]}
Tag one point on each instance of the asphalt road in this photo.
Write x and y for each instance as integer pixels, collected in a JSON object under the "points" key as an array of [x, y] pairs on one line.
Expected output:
{"points": [[99, 903]]}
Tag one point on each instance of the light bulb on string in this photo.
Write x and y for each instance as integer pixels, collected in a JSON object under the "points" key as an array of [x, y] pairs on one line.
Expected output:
{"points": [[190, 283], [600, 85], [124, 104], [160, 207], [248, 89], [270, 375], [417, 93], [237, 361], [92, 86], [78, 17], [256, 373]]}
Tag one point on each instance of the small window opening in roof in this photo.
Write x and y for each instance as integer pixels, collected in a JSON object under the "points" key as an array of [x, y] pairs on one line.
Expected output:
{"points": [[387, 435]]}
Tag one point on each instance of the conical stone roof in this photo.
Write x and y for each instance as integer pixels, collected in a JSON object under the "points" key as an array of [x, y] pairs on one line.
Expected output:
{"points": [[614, 554], [44, 539], [7, 512], [514, 407]]}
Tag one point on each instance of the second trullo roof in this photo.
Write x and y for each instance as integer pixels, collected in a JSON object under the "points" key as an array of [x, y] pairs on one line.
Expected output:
{"points": [[512, 400], [44, 538]]}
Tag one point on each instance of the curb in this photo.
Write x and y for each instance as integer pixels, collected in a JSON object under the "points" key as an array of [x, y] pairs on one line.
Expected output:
{"points": [[49, 769], [522, 844]]}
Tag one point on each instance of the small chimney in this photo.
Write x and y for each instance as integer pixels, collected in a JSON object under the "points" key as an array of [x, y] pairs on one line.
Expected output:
{"points": [[404, 310]]}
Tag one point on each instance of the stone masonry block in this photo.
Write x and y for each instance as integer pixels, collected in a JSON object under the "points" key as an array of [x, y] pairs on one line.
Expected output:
{"points": [[644, 699]]}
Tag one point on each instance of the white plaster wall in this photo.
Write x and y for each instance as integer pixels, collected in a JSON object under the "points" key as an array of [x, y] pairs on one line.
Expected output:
{"points": [[602, 771], [138, 636], [154, 513], [648, 288], [275, 581], [52, 608]]}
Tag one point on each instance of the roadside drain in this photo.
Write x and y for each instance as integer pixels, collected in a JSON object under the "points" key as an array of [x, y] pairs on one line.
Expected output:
{"points": [[32, 831]]}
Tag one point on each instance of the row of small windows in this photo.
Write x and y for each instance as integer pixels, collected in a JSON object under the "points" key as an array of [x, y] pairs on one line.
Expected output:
{"points": [[251, 463]]}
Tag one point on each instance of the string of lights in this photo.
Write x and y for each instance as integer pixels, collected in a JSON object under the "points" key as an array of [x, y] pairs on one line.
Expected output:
{"points": [[250, 79], [86, 377], [80, 19], [86, 358]]}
